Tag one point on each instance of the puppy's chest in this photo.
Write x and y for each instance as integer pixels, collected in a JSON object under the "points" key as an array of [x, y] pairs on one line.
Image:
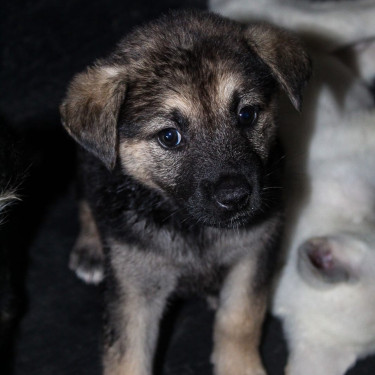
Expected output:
{"points": [[198, 258], [187, 247]]}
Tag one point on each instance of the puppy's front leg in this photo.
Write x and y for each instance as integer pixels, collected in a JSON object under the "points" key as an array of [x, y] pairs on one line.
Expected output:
{"points": [[87, 258], [238, 324], [137, 290]]}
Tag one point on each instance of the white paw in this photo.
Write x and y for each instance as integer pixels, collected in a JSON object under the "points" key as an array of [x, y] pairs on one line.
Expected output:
{"points": [[88, 266]]}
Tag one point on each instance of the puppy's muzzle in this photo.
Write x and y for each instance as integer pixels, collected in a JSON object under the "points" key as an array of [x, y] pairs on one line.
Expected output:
{"points": [[231, 193], [228, 194]]}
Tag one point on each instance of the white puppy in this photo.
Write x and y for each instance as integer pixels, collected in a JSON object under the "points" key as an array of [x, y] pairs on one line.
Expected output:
{"points": [[326, 292]]}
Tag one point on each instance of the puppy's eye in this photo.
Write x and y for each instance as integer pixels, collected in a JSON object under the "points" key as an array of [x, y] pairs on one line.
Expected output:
{"points": [[248, 116], [169, 138]]}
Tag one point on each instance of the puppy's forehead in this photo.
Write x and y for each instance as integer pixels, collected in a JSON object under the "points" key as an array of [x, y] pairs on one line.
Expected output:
{"points": [[193, 64], [196, 98], [199, 83]]}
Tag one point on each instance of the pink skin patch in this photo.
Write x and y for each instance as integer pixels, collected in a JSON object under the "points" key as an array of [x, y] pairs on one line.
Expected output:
{"points": [[321, 259]]}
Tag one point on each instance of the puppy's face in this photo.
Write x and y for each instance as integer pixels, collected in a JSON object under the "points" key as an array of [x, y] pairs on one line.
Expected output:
{"points": [[202, 131], [193, 107]]}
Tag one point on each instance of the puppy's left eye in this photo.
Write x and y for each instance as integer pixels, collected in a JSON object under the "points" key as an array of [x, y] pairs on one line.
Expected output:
{"points": [[248, 116], [169, 138]]}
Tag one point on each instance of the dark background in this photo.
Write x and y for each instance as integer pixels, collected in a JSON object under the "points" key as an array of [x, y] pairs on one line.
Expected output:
{"points": [[58, 318]]}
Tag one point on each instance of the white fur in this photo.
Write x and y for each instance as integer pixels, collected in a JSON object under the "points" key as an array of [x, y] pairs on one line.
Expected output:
{"points": [[331, 192], [340, 22]]}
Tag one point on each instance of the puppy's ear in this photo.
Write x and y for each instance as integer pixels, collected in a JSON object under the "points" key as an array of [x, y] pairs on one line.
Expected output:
{"points": [[283, 53], [91, 108]]}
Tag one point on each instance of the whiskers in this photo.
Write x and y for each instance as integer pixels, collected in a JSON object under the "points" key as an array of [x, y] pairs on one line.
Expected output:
{"points": [[7, 198], [276, 166], [272, 188]]}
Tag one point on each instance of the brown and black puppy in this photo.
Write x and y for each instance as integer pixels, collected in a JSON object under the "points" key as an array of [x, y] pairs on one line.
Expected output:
{"points": [[179, 178]]}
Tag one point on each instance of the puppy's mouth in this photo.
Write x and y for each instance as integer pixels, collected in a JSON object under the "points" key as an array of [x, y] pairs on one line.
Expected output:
{"points": [[237, 220]]}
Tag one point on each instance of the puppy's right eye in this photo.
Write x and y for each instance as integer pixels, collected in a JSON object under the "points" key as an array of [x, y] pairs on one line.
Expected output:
{"points": [[248, 116], [169, 138]]}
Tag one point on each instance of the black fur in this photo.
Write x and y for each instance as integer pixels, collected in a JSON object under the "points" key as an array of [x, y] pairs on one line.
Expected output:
{"points": [[12, 173]]}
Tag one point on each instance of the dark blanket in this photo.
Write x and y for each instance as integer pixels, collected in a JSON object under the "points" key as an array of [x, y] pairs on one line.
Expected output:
{"points": [[57, 319]]}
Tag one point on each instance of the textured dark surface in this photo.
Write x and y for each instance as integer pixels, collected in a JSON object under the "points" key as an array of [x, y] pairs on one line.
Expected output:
{"points": [[43, 43]]}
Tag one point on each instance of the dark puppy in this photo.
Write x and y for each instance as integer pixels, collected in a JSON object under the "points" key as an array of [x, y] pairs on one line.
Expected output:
{"points": [[178, 167]]}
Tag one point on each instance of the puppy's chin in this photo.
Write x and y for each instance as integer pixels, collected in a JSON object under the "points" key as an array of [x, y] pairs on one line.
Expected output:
{"points": [[226, 219], [237, 221]]}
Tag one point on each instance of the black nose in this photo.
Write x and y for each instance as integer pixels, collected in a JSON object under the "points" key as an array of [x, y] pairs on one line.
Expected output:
{"points": [[232, 192]]}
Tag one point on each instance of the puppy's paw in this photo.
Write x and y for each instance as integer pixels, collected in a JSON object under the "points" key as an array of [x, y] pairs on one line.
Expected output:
{"points": [[229, 367], [88, 263], [236, 362]]}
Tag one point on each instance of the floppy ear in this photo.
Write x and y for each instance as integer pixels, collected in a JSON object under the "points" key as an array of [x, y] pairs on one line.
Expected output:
{"points": [[283, 53], [91, 108]]}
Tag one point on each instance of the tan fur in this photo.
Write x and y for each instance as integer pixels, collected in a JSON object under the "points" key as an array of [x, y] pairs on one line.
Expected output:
{"points": [[135, 361], [141, 158], [238, 324], [225, 84], [135, 157], [89, 232], [218, 95], [138, 319], [181, 101], [90, 115]]}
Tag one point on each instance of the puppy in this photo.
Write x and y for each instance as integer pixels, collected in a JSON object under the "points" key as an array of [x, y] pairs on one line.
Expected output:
{"points": [[178, 166], [326, 292]]}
